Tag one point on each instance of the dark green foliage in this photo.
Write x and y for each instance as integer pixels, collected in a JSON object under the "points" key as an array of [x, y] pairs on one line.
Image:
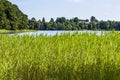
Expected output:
{"points": [[93, 19], [11, 17], [75, 23]]}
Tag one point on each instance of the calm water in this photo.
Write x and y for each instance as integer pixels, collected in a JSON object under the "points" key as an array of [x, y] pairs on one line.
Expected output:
{"points": [[51, 33]]}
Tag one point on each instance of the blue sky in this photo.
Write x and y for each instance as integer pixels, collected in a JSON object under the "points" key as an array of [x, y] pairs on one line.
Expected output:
{"points": [[84, 9]]}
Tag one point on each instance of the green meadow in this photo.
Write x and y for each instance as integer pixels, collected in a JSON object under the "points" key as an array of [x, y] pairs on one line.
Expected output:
{"points": [[67, 56]]}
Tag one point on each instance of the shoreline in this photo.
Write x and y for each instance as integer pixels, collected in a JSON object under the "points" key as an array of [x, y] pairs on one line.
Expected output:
{"points": [[3, 31]]}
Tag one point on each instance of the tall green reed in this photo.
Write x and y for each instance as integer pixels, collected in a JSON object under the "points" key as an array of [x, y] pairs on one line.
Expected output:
{"points": [[84, 56]]}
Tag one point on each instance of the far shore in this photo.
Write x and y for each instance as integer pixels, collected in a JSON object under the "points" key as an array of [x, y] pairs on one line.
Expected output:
{"points": [[3, 31]]}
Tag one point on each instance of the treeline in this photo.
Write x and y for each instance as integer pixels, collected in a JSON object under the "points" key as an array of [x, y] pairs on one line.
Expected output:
{"points": [[12, 18], [75, 23]]}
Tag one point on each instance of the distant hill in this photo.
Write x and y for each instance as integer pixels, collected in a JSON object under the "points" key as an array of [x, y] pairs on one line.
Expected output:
{"points": [[11, 17]]}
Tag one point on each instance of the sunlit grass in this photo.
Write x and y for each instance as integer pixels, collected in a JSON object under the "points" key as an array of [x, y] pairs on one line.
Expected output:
{"points": [[61, 57], [3, 31]]}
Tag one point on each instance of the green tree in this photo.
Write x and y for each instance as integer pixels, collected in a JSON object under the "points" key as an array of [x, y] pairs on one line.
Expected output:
{"points": [[51, 20], [93, 19], [11, 17]]}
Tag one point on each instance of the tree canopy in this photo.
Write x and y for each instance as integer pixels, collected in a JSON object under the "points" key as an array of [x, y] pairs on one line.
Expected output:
{"points": [[61, 23], [12, 18]]}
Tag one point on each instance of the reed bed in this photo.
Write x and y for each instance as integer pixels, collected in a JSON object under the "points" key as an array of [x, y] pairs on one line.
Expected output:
{"points": [[77, 56]]}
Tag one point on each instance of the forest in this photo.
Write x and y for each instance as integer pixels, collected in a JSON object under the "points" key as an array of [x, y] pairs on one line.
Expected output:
{"points": [[12, 18], [61, 23]]}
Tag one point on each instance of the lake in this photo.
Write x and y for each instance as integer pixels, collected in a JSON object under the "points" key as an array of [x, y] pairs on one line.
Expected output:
{"points": [[51, 33]]}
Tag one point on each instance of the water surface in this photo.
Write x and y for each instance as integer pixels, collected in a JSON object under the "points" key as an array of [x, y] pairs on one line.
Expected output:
{"points": [[51, 33]]}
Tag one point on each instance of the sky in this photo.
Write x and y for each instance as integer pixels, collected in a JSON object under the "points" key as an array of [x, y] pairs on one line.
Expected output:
{"points": [[83, 9]]}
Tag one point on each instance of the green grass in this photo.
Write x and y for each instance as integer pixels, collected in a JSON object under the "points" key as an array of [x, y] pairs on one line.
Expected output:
{"points": [[61, 57], [3, 31]]}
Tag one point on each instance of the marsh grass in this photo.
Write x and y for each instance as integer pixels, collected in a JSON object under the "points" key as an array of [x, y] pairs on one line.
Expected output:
{"points": [[67, 56], [3, 31]]}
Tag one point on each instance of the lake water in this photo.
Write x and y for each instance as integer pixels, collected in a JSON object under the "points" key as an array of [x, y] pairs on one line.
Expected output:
{"points": [[51, 33]]}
